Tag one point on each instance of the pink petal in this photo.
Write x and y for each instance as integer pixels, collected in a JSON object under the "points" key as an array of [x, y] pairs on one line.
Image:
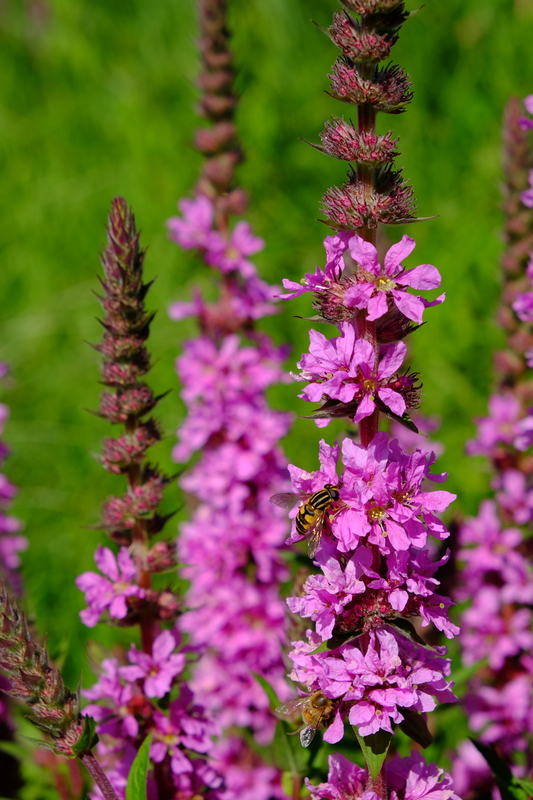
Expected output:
{"points": [[359, 295], [364, 254], [424, 277], [377, 306], [393, 400], [164, 644], [365, 408], [106, 563], [178, 310], [430, 303], [528, 103], [391, 359], [363, 353], [118, 608], [397, 535], [436, 501], [398, 599], [126, 565], [90, 617], [397, 253], [412, 307], [335, 732], [158, 751]]}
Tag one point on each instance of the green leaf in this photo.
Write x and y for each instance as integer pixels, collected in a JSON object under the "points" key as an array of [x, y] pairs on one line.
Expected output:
{"points": [[321, 648], [375, 748], [267, 688], [511, 788], [136, 786], [289, 755], [88, 739]]}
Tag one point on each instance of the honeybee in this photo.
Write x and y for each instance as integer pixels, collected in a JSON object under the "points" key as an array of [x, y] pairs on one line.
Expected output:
{"points": [[312, 512], [317, 711]]}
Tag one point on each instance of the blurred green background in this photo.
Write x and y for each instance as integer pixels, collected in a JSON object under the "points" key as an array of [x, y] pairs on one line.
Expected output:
{"points": [[97, 99]]}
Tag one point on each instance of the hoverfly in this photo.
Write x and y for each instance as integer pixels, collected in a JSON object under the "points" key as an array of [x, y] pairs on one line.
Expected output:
{"points": [[312, 512], [317, 711]]}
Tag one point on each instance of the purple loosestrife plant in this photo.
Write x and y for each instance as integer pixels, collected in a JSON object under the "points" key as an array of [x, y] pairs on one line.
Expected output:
{"points": [[147, 695], [231, 545], [364, 662], [497, 576]]}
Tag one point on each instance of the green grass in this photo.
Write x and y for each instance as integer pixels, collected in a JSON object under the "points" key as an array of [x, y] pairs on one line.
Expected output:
{"points": [[97, 99]]}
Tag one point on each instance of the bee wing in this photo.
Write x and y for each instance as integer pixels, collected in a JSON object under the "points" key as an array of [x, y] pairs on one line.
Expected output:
{"points": [[314, 535], [286, 500], [291, 707], [306, 736]]}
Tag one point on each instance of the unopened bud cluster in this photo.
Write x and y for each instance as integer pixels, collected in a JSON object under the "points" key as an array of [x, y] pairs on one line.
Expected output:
{"points": [[131, 520], [374, 192], [218, 143], [53, 708]]}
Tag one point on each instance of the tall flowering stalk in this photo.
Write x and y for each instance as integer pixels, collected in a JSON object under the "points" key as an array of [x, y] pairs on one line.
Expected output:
{"points": [[147, 695], [365, 662], [231, 545], [496, 547]]}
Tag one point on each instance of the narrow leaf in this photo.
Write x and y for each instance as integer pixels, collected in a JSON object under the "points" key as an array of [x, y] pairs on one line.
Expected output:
{"points": [[288, 753], [136, 786], [511, 788], [499, 768], [269, 691], [375, 748]]}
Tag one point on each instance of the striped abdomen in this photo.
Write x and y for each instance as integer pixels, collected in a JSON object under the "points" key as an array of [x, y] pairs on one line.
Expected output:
{"points": [[315, 507]]}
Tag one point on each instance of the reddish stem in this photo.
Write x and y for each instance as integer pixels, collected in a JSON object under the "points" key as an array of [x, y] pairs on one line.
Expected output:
{"points": [[148, 624], [379, 786], [98, 775]]}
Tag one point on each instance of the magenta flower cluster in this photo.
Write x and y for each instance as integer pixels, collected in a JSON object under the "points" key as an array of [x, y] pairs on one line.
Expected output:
{"points": [[125, 707], [407, 779], [11, 542], [496, 576], [375, 568], [372, 287], [235, 613], [250, 298]]}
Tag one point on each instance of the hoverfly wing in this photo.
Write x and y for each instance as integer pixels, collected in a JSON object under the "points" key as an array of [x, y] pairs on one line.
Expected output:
{"points": [[314, 536], [286, 500], [291, 708], [306, 736]]}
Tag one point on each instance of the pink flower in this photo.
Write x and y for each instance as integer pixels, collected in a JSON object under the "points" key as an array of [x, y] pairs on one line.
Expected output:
{"points": [[231, 254], [158, 669], [375, 283], [101, 594], [500, 426], [193, 228], [409, 778], [527, 196], [523, 306], [343, 368], [322, 279], [525, 123], [413, 779]]}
